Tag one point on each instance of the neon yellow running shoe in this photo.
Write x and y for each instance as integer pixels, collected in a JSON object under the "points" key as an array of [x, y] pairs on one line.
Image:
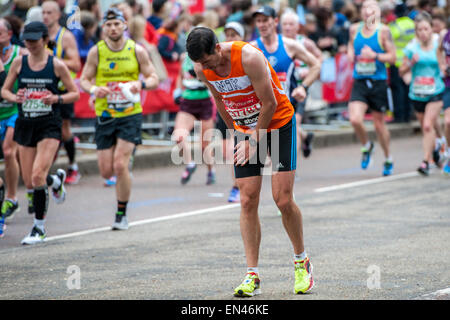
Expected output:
{"points": [[304, 281], [250, 287]]}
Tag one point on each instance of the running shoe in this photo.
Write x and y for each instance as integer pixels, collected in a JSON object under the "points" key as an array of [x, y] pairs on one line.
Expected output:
{"points": [[9, 209], [30, 202], [186, 176], [307, 144], [424, 168], [250, 287], [437, 155], [211, 178], [366, 156], [2, 226], [73, 176], [388, 168], [121, 222], [36, 236], [446, 169], [59, 194], [235, 195], [111, 182], [304, 281]]}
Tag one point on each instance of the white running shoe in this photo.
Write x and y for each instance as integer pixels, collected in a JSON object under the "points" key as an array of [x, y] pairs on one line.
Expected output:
{"points": [[59, 195]]}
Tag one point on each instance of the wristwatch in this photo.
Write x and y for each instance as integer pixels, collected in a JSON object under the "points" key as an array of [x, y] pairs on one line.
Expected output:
{"points": [[143, 85], [60, 100], [305, 87], [252, 142]]}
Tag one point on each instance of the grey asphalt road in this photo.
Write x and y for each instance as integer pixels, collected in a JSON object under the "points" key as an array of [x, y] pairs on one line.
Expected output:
{"points": [[375, 239]]}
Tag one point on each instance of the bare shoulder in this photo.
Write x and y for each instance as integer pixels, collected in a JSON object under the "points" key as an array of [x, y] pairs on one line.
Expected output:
{"points": [[140, 51], [58, 63], [92, 54], [16, 64], [251, 56], [354, 27], [225, 47], [68, 37]]}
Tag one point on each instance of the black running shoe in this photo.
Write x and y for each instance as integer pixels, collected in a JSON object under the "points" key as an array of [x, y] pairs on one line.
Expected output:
{"points": [[187, 174], [307, 144], [424, 168]]}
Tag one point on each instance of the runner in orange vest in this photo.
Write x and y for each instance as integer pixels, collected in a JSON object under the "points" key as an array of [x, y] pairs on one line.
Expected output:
{"points": [[251, 100]]}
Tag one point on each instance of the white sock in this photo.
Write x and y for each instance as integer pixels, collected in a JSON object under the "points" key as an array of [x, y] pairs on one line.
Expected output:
{"points": [[191, 165], [12, 200], [367, 145], [39, 223], [389, 159], [300, 257], [74, 167], [253, 269]]}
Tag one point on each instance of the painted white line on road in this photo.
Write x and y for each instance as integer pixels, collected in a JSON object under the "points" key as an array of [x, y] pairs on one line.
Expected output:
{"points": [[146, 221], [443, 294], [367, 182]]}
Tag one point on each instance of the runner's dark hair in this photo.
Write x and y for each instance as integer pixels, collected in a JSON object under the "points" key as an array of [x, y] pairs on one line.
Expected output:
{"points": [[200, 41]]}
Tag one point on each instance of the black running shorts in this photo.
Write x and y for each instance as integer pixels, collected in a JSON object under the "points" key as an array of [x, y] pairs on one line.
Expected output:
{"points": [[201, 109], [29, 132], [108, 130], [419, 106], [371, 92], [283, 153]]}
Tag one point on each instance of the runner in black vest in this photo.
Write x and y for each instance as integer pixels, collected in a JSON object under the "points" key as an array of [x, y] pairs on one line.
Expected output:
{"points": [[38, 127]]}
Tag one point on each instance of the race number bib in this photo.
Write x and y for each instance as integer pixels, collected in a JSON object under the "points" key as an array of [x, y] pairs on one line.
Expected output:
{"points": [[366, 67], [245, 113], [424, 86], [33, 105], [116, 99]]}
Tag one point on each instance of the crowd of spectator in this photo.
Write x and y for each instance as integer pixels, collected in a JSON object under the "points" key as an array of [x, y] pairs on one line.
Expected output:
{"points": [[164, 24]]}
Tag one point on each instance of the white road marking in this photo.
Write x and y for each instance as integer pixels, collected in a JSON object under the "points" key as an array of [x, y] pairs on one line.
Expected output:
{"points": [[146, 221], [443, 294], [367, 182]]}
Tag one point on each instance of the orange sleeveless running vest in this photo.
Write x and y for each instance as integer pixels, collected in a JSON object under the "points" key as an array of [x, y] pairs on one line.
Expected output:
{"points": [[240, 98]]}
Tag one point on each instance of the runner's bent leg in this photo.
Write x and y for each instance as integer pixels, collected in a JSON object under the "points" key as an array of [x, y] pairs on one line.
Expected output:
{"points": [[357, 110], [11, 164], [282, 189]]}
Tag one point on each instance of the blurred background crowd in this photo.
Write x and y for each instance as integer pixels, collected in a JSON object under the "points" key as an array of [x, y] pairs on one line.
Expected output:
{"points": [[161, 26]]}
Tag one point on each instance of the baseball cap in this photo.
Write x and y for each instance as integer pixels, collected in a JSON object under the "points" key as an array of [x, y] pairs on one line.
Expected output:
{"points": [[112, 14], [34, 30], [265, 10], [236, 26]]}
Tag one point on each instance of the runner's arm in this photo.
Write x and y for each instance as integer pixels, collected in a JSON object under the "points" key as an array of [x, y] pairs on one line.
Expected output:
{"points": [[72, 57], [304, 55], [6, 90], [87, 80], [350, 48], [2, 76], [63, 73], [390, 55], [257, 69], [311, 47], [147, 69], [216, 95]]}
